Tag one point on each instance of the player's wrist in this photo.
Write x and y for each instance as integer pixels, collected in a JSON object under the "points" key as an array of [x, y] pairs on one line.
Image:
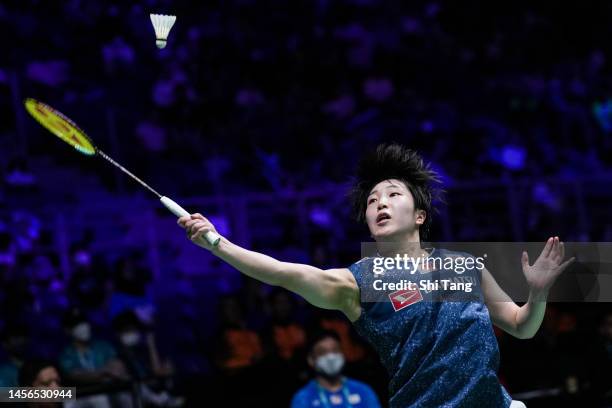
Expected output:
{"points": [[221, 247], [538, 295]]}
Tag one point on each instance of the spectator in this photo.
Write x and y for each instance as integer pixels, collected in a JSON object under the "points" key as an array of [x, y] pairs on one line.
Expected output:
{"points": [[351, 346], [87, 360], [287, 340], [329, 387], [40, 374], [239, 357], [238, 347], [288, 336], [138, 352], [15, 344]]}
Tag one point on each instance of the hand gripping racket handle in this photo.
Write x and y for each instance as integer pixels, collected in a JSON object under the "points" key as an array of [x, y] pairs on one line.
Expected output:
{"points": [[212, 238]]}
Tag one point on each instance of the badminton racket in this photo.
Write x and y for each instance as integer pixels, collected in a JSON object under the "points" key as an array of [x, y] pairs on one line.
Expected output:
{"points": [[64, 128]]}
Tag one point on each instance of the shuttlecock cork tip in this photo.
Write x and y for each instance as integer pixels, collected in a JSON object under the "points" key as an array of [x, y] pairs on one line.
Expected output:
{"points": [[162, 24]]}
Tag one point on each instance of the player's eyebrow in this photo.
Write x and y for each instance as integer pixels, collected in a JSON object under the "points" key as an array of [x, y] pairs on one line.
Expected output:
{"points": [[389, 186]]}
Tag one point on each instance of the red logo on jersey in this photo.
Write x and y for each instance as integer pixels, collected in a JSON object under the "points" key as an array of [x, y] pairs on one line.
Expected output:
{"points": [[404, 298]]}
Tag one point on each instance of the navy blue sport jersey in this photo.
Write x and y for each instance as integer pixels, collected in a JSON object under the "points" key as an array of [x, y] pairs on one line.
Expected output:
{"points": [[439, 352]]}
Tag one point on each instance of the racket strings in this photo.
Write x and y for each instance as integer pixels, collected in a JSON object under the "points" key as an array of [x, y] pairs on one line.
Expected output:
{"points": [[69, 132]]}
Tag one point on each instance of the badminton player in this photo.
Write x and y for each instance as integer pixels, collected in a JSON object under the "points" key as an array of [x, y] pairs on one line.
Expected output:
{"points": [[437, 353]]}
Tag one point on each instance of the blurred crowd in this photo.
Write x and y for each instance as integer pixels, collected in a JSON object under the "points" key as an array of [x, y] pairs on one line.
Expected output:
{"points": [[299, 89], [278, 97]]}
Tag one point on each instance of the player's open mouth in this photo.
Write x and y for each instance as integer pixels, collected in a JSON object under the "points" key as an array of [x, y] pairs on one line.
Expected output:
{"points": [[382, 218]]}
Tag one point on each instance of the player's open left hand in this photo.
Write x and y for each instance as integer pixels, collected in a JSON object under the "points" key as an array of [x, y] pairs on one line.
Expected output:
{"points": [[542, 274], [196, 225]]}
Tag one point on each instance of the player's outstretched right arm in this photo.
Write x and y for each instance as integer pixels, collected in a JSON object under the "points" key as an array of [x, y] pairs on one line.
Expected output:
{"points": [[328, 289]]}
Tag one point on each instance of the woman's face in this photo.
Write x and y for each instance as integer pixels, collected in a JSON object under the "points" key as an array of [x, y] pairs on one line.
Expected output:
{"points": [[390, 211]]}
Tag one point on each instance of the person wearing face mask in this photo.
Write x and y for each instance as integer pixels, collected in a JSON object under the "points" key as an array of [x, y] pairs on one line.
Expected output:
{"points": [[88, 360], [131, 348], [137, 350], [330, 388]]}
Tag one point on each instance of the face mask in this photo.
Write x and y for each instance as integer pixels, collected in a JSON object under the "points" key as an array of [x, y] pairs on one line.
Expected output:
{"points": [[82, 332], [129, 339], [330, 364]]}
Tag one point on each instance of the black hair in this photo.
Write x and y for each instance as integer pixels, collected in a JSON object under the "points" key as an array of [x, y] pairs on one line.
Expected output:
{"points": [[30, 370], [126, 319], [317, 336], [73, 317], [394, 161]]}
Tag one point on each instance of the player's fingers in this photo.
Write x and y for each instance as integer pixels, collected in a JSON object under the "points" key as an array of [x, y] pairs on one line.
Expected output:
{"points": [[199, 217], [201, 224], [182, 220], [559, 252], [191, 223], [525, 260], [555, 249], [189, 228], [547, 247], [566, 264], [201, 230]]}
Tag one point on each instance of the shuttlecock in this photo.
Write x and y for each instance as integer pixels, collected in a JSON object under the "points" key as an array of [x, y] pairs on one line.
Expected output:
{"points": [[162, 25]]}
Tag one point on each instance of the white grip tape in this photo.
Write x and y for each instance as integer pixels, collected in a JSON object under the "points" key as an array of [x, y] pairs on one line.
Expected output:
{"points": [[212, 238]]}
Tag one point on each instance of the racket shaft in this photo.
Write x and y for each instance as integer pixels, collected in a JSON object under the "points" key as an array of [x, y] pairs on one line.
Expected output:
{"points": [[126, 171], [212, 238]]}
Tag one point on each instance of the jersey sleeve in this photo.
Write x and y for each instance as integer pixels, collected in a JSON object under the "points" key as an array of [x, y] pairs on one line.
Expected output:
{"points": [[357, 270]]}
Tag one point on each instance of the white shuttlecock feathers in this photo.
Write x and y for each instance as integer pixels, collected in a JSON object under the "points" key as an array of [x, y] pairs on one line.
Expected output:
{"points": [[162, 25]]}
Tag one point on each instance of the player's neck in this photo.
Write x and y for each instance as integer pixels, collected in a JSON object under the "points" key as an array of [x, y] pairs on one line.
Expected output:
{"points": [[409, 245], [330, 384]]}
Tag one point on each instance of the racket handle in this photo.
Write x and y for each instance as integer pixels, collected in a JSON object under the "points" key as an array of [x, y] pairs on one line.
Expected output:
{"points": [[212, 238]]}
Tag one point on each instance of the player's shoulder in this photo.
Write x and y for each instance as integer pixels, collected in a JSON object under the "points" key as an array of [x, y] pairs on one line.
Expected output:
{"points": [[361, 263], [360, 268]]}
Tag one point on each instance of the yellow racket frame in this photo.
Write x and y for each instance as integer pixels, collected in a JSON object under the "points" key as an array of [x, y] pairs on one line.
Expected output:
{"points": [[60, 126]]}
